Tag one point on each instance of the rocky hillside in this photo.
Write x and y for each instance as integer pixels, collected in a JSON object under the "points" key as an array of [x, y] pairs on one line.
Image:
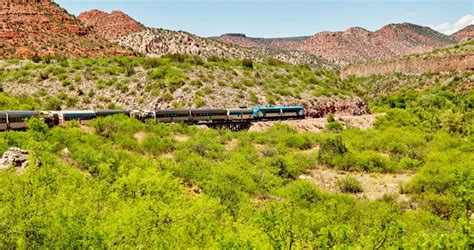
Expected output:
{"points": [[457, 58], [359, 45], [158, 42], [242, 40], [29, 27], [464, 34], [175, 82], [355, 44], [111, 26]]}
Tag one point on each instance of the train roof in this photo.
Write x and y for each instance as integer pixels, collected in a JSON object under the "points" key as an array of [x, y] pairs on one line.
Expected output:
{"points": [[280, 107], [101, 112], [171, 110], [240, 109], [208, 110], [21, 113], [74, 113]]}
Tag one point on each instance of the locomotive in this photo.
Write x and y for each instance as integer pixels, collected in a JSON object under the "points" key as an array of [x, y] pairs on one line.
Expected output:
{"points": [[16, 120]]}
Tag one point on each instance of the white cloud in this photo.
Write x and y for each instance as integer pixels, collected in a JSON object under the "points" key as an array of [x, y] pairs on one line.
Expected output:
{"points": [[450, 28]]}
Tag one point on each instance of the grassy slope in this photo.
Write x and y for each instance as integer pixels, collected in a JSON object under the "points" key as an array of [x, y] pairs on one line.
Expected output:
{"points": [[466, 47], [177, 81]]}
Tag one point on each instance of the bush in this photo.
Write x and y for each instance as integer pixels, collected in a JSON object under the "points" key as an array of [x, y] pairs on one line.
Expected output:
{"points": [[129, 69], [52, 104], [349, 185], [213, 59], [158, 145], [275, 62], [36, 59], [330, 148], [370, 161], [331, 117], [150, 63], [334, 127], [247, 63], [303, 193], [35, 124]]}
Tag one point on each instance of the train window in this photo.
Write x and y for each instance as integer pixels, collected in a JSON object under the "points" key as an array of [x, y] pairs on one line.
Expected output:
{"points": [[3, 120], [70, 118], [17, 119], [274, 111]]}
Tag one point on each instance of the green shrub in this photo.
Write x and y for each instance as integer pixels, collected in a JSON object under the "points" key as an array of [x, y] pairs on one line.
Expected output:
{"points": [[334, 126], [247, 63], [275, 62], [199, 102], [158, 145], [36, 59], [303, 193], [331, 117], [129, 69], [52, 104], [151, 63], [370, 161], [270, 99], [253, 97], [349, 185], [330, 148], [36, 125]]}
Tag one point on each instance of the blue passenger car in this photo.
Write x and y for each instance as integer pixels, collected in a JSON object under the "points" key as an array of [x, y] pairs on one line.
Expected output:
{"points": [[83, 117]]}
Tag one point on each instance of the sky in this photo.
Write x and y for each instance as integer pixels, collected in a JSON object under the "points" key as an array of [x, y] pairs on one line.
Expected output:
{"points": [[284, 18]]}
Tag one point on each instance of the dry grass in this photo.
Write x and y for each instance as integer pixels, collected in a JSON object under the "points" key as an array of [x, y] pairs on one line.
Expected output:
{"points": [[375, 186]]}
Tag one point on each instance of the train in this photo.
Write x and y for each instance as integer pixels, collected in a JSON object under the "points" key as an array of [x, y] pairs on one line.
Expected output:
{"points": [[16, 120]]}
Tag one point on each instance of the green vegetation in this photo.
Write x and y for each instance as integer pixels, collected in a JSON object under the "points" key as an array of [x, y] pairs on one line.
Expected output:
{"points": [[121, 183], [181, 76], [466, 47], [167, 185], [350, 185]]}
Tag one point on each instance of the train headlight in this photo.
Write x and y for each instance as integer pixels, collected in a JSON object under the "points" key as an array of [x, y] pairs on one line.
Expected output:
{"points": [[301, 113]]}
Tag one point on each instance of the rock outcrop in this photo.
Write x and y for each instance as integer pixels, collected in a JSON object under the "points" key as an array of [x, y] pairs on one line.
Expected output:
{"points": [[111, 26], [342, 107], [412, 66], [30, 27], [15, 158]]}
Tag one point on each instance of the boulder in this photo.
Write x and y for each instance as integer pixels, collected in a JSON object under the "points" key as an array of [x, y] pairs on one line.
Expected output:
{"points": [[15, 158], [343, 107]]}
